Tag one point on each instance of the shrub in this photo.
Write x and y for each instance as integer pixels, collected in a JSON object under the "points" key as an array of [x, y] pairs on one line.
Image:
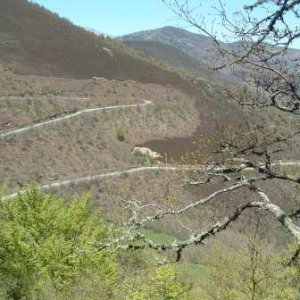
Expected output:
{"points": [[254, 273], [162, 284], [46, 240], [121, 134]]}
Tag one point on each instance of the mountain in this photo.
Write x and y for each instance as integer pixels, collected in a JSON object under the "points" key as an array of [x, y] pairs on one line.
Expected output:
{"points": [[169, 54], [182, 61], [36, 41], [196, 45]]}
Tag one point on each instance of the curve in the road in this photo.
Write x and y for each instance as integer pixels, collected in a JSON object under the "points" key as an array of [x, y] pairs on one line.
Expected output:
{"points": [[286, 163], [87, 179], [79, 180], [69, 116]]}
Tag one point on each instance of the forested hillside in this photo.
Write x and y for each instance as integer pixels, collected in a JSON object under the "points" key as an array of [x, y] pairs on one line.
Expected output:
{"points": [[35, 41], [136, 171]]}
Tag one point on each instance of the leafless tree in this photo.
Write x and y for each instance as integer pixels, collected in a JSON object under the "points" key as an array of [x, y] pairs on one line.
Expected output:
{"points": [[262, 44], [261, 48]]}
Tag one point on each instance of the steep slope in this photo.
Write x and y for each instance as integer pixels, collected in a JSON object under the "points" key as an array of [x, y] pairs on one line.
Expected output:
{"points": [[168, 54], [179, 59], [36, 41], [196, 45], [200, 47]]}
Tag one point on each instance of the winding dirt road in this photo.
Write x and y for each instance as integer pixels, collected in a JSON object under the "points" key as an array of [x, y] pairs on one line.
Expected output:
{"points": [[69, 116], [87, 179]]}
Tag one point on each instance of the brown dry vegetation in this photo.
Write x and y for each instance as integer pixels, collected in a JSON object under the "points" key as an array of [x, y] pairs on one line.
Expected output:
{"points": [[88, 144], [182, 119], [15, 85], [38, 105], [35, 41], [115, 197]]}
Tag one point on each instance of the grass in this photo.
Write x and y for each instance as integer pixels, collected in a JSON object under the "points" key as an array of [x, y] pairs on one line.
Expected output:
{"points": [[194, 270], [158, 237], [194, 273]]}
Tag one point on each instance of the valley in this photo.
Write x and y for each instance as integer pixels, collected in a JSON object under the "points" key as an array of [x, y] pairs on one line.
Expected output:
{"points": [[140, 136]]}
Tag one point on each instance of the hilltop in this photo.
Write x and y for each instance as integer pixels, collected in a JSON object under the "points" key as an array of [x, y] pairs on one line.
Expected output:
{"points": [[36, 41], [197, 46]]}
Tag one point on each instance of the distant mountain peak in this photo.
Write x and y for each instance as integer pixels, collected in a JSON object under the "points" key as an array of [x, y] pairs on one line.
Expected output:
{"points": [[170, 30], [194, 44]]}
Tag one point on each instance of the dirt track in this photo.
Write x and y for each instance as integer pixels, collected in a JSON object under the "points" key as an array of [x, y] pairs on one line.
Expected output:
{"points": [[85, 179], [69, 116]]}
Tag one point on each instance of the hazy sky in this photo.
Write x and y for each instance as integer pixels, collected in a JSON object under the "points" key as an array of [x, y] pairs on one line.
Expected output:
{"points": [[119, 17]]}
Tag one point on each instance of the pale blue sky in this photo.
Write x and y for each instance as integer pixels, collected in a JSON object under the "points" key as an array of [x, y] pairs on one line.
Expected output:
{"points": [[119, 17], [113, 17]]}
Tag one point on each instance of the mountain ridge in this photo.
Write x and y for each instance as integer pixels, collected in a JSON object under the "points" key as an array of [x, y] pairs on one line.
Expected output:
{"points": [[36, 41], [177, 37], [169, 34], [200, 48]]}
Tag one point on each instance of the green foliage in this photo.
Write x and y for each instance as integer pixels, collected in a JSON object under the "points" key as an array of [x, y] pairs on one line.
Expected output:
{"points": [[251, 275], [162, 284], [48, 251], [144, 159], [158, 237], [120, 134], [45, 240]]}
